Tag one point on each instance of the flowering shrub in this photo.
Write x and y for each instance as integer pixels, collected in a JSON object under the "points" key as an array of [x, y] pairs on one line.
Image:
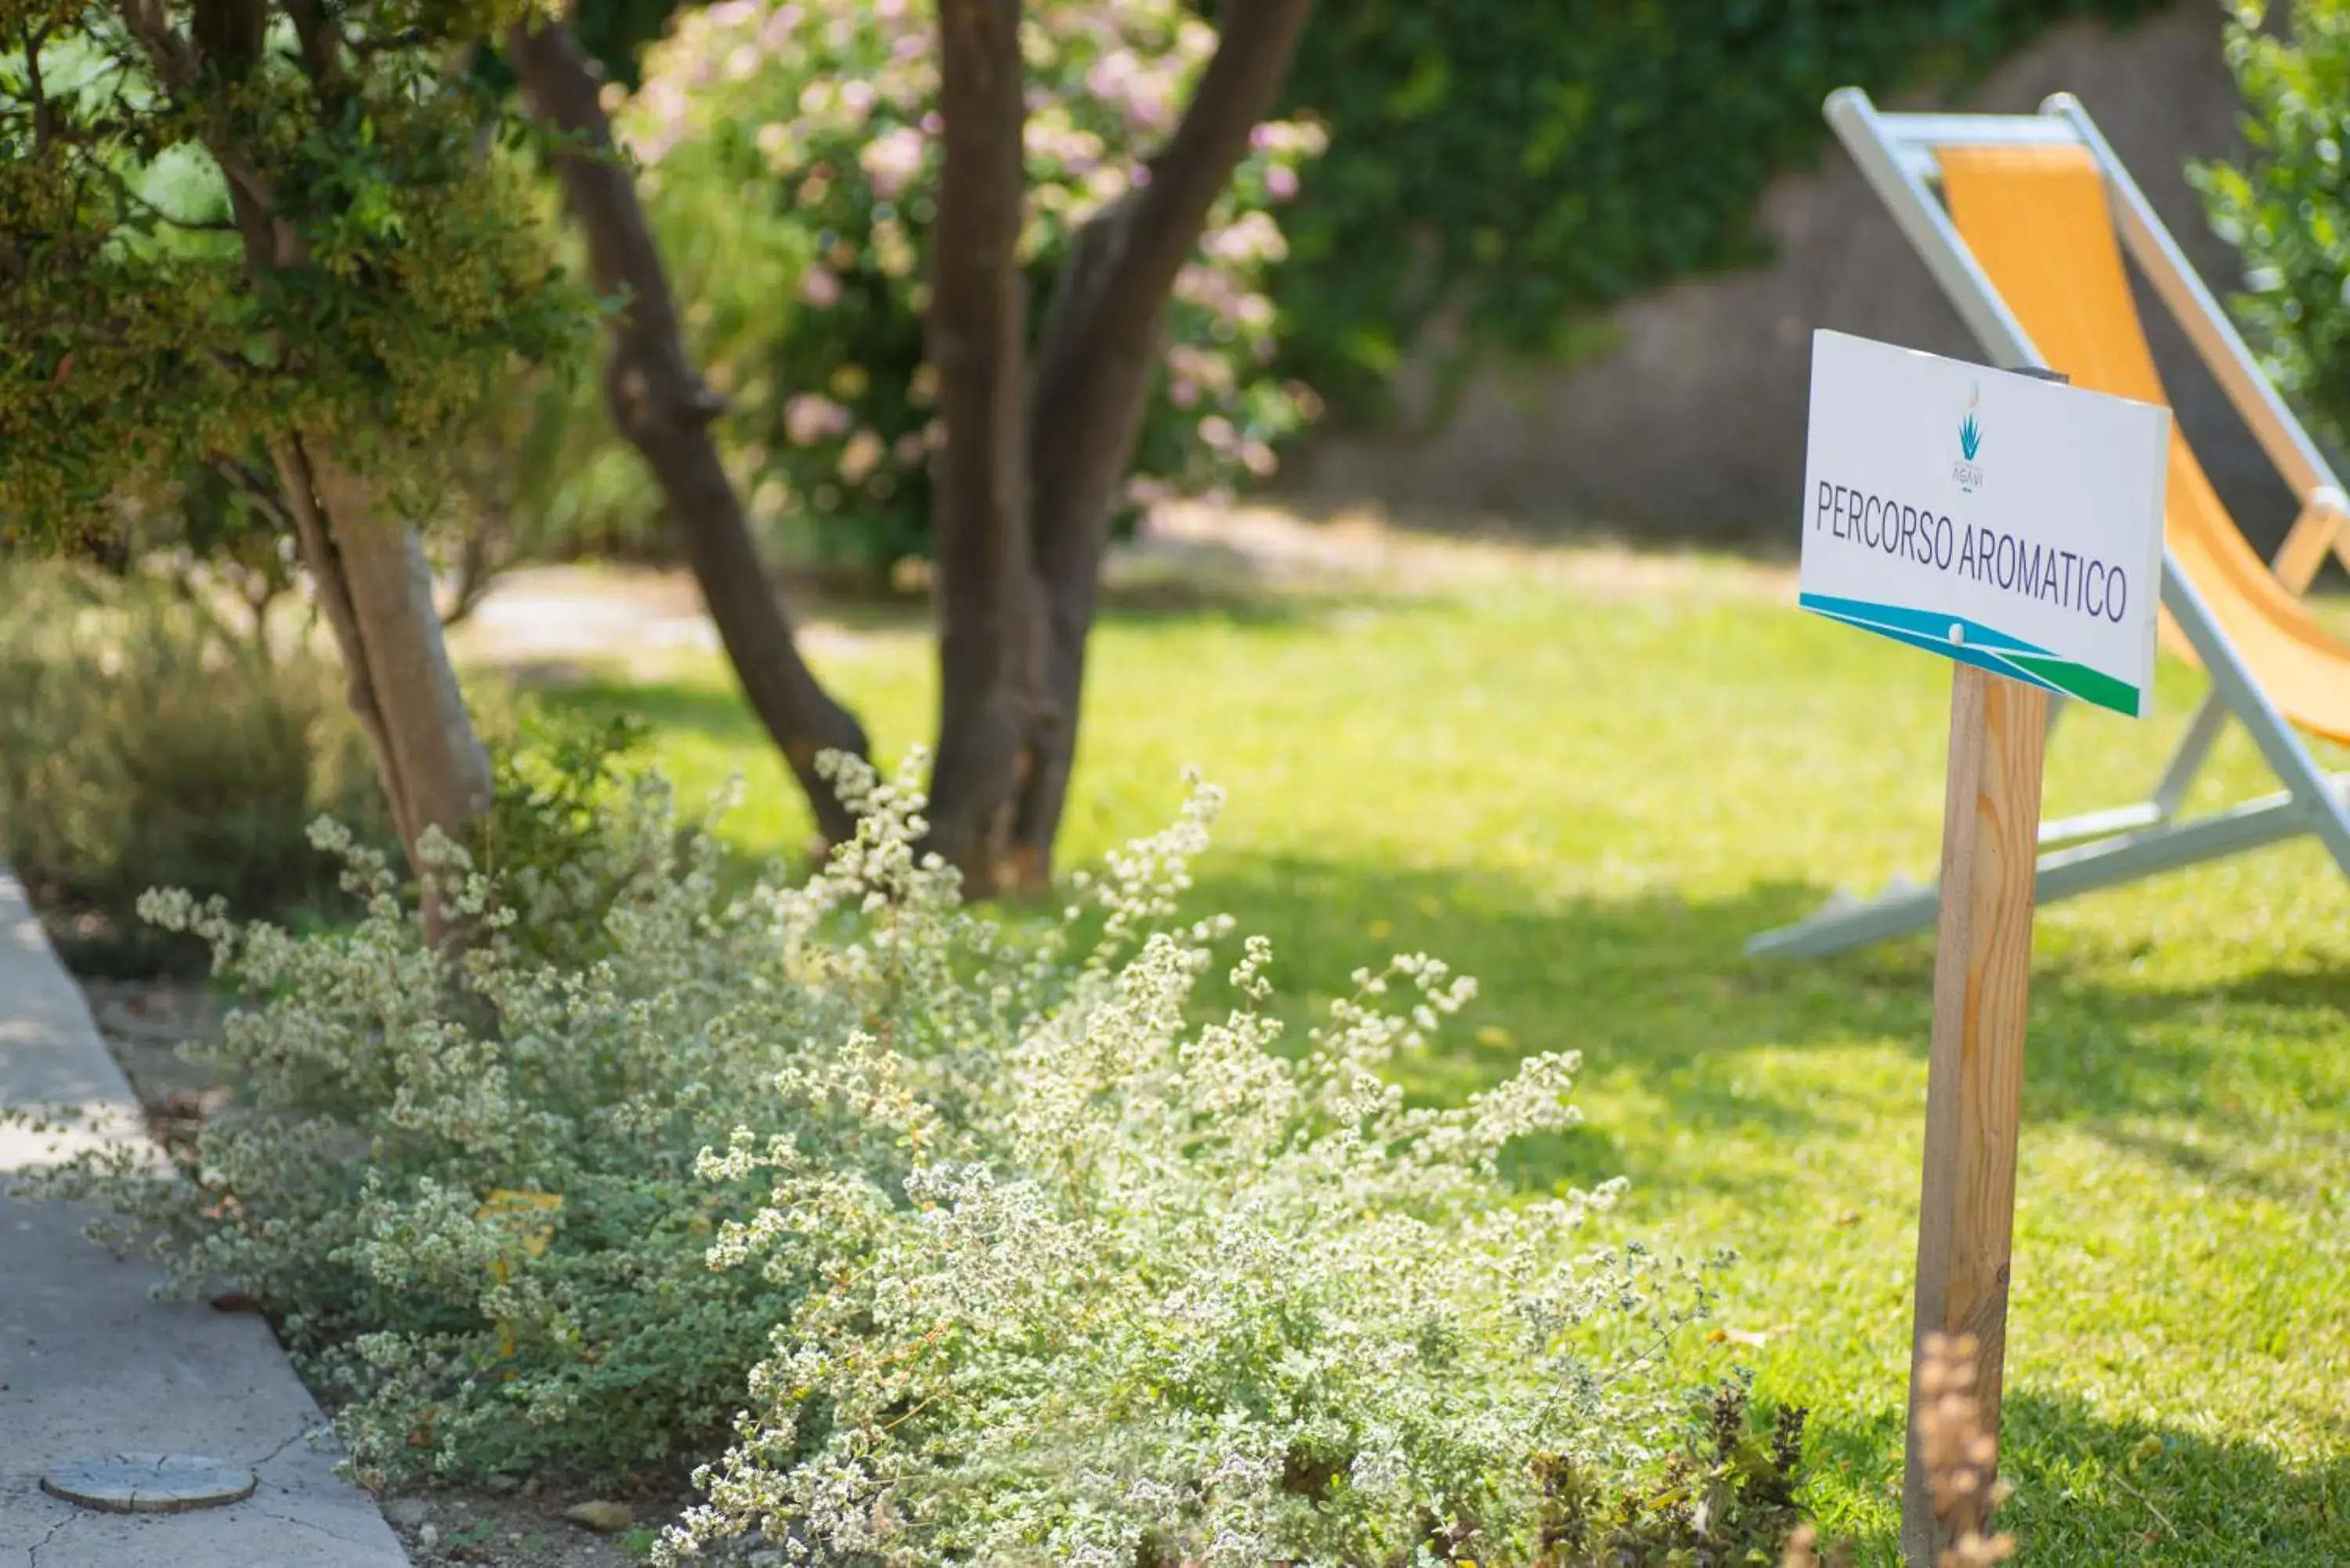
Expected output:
{"points": [[1183, 1299], [1164, 1295], [791, 151], [381, 1189], [1023, 1261]]}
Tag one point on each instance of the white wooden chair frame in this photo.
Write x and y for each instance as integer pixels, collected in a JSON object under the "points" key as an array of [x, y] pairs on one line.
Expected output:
{"points": [[2102, 848]]}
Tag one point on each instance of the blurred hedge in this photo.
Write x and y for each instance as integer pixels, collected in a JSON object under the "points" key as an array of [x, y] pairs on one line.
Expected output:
{"points": [[1548, 160], [2283, 207], [146, 740]]}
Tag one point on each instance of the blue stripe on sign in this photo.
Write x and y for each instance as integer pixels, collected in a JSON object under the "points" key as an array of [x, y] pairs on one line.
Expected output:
{"points": [[1899, 620], [1980, 657]]}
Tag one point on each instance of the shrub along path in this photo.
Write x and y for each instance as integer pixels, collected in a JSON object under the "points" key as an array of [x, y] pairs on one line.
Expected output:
{"points": [[1585, 777]]}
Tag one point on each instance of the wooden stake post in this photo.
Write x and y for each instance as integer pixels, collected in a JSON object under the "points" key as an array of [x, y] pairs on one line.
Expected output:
{"points": [[1974, 1076], [1974, 1080]]}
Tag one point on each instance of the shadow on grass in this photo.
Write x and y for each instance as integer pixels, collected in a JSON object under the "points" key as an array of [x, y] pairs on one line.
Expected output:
{"points": [[1654, 990], [2094, 1490], [715, 712], [1237, 593]]}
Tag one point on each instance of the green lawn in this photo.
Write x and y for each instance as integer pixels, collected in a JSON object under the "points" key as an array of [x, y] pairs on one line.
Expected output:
{"points": [[1588, 797]]}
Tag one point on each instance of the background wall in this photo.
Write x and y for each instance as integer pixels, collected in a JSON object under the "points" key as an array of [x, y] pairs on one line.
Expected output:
{"points": [[1688, 419]]}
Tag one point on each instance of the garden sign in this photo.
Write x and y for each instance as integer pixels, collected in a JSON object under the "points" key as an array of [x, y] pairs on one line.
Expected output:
{"points": [[2013, 524]]}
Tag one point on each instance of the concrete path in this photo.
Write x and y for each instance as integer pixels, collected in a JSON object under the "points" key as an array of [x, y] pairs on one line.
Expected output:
{"points": [[89, 1366]]}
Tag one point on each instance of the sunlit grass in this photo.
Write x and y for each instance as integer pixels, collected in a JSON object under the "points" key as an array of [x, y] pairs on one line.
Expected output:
{"points": [[1589, 798]]}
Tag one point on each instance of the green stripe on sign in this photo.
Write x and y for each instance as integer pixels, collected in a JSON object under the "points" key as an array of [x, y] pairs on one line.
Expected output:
{"points": [[2079, 681]]}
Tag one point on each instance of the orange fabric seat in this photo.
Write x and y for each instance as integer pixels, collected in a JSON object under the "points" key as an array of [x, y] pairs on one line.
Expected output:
{"points": [[2037, 219]]}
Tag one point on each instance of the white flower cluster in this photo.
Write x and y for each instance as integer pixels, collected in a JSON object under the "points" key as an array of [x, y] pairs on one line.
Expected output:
{"points": [[1166, 1294], [993, 1241], [466, 1190]]}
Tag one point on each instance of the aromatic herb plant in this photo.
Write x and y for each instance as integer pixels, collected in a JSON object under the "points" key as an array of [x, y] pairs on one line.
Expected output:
{"points": [[986, 1243]]}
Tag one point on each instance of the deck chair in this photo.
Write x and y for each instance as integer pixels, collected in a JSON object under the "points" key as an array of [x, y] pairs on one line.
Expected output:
{"points": [[2018, 217]]}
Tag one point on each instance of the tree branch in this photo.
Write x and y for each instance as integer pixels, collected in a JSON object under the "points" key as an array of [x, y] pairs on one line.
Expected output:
{"points": [[36, 94], [150, 22], [1101, 342], [1155, 231], [267, 239], [661, 405], [316, 34], [1102, 335], [229, 35], [256, 487]]}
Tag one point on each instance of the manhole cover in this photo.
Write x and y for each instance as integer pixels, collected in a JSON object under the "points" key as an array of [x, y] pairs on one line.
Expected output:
{"points": [[149, 1483]]}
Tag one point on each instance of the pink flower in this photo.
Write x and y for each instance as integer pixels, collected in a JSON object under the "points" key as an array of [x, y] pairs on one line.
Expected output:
{"points": [[1110, 74], [820, 287], [1105, 184], [860, 456], [1152, 105], [811, 416], [1193, 370], [1253, 236], [1205, 286], [1281, 182], [777, 29], [892, 159]]}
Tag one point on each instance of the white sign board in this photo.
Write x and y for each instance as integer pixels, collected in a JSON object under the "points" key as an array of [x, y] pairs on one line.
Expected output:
{"points": [[2010, 523]]}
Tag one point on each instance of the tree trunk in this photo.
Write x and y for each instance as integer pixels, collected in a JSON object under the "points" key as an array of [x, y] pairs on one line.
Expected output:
{"points": [[661, 404], [371, 576], [1098, 350], [996, 717], [376, 588], [1085, 410]]}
